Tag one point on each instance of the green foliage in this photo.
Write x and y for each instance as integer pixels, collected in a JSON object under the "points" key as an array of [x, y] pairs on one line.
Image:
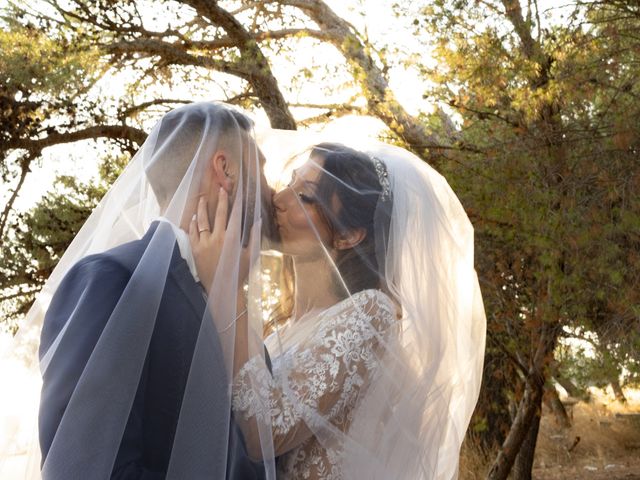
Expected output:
{"points": [[32, 62], [40, 237], [594, 363], [40, 80], [546, 163]]}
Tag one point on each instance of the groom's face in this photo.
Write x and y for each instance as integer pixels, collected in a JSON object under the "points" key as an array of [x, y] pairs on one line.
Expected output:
{"points": [[243, 172], [256, 184]]}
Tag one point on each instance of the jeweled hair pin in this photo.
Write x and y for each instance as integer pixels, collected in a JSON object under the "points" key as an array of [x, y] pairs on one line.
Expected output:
{"points": [[383, 178]]}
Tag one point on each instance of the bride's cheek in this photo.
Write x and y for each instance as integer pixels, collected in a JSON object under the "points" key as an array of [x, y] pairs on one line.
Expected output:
{"points": [[298, 220]]}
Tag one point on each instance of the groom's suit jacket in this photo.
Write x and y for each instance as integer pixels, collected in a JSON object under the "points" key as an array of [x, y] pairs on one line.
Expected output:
{"points": [[91, 290]]}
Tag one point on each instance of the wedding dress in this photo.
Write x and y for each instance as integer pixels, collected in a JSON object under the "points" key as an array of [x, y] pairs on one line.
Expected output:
{"points": [[327, 371]]}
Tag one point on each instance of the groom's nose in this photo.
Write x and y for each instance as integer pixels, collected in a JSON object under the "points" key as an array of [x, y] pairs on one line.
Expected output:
{"points": [[278, 201], [269, 228], [270, 194]]}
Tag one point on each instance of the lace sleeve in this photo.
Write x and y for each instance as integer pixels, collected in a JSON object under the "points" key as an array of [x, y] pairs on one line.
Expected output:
{"points": [[320, 378]]}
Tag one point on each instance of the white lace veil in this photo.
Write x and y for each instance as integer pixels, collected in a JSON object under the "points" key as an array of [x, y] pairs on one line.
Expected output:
{"points": [[129, 336]]}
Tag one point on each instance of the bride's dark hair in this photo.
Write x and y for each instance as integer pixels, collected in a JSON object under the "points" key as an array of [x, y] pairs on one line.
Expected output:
{"points": [[351, 177]]}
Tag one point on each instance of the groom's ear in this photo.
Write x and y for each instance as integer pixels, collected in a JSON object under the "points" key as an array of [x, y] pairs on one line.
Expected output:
{"points": [[220, 167], [349, 239]]}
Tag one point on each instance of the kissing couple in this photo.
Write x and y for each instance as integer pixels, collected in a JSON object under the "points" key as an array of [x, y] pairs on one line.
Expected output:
{"points": [[204, 326]]}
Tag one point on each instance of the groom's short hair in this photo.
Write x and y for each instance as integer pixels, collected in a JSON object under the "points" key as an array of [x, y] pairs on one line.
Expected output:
{"points": [[180, 135]]}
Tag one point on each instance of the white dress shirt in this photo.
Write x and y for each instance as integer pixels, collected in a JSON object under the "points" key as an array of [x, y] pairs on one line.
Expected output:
{"points": [[184, 246]]}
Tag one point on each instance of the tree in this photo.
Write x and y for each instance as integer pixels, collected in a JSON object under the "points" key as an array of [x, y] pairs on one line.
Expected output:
{"points": [[41, 236], [202, 43], [42, 79], [541, 168]]}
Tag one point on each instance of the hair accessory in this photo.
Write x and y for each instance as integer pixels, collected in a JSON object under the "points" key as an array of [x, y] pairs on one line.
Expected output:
{"points": [[383, 178]]}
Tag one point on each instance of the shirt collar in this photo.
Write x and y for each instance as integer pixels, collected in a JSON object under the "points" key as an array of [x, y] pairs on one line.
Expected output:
{"points": [[184, 246]]}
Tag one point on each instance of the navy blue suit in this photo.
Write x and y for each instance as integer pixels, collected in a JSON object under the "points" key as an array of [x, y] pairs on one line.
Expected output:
{"points": [[91, 290]]}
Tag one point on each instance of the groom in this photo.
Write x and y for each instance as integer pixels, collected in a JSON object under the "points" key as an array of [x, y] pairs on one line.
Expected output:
{"points": [[88, 296]]}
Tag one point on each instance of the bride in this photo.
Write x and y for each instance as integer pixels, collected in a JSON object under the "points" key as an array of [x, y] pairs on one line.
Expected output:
{"points": [[377, 341]]}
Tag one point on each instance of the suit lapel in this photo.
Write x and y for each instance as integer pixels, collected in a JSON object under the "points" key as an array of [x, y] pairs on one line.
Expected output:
{"points": [[193, 291], [179, 272]]}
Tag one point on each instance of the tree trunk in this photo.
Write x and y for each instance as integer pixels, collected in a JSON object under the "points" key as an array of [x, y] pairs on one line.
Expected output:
{"points": [[617, 390], [529, 406], [271, 99], [492, 408], [568, 385], [552, 400], [527, 410], [524, 461], [259, 75]]}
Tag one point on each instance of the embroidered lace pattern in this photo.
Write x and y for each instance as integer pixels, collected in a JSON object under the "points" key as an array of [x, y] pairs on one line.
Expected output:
{"points": [[318, 380]]}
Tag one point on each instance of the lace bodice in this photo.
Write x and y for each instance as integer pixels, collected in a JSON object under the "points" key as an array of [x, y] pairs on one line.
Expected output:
{"points": [[317, 380]]}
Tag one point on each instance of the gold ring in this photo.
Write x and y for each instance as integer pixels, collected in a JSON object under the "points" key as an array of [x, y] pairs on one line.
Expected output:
{"points": [[200, 230]]}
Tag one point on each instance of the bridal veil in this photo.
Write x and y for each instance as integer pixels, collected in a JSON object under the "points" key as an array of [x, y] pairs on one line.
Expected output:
{"points": [[383, 396], [376, 366], [124, 299]]}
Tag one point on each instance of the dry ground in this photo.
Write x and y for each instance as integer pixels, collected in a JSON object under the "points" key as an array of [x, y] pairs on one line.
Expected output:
{"points": [[608, 447]]}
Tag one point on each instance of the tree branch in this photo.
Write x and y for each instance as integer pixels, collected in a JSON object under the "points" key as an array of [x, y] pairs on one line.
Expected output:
{"points": [[176, 54], [24, 169], [260, 76], [99, 131], [513, 12], [381, 101], [333, 111], [127, 112], [261, 36], [515, 360]]}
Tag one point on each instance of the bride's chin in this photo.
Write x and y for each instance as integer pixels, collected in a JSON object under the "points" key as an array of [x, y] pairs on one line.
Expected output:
{"points": [[281, 247], [275, 245], [277, 248], [285, 249]]}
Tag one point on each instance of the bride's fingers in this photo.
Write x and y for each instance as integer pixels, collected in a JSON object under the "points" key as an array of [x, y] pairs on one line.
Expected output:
{"points": [[202, 216], [220, 221], [193, 231]]}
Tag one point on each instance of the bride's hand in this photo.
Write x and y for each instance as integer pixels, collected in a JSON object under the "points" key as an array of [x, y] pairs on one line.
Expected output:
{"points": [[207, 244]]}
